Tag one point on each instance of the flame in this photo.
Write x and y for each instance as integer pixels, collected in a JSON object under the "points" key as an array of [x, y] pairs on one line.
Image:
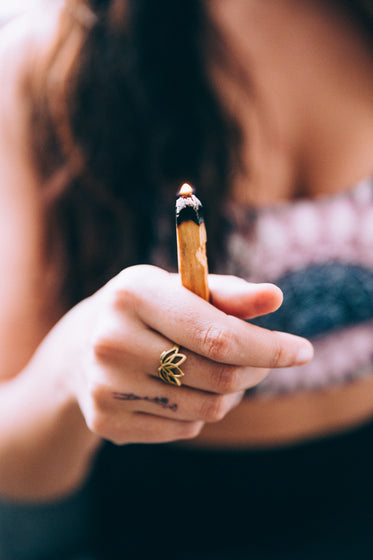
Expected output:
{"points": [[186, 190]]}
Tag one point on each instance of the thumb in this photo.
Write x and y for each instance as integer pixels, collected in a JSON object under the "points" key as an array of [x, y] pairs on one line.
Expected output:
{"points": [[242, 299]]}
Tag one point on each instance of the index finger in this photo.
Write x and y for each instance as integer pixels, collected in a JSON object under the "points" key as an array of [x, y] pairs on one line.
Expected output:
{"points": [[165, 306]]}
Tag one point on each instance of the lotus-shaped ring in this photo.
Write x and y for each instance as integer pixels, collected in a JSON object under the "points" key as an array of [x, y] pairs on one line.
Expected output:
{"points": [[169, 370]]}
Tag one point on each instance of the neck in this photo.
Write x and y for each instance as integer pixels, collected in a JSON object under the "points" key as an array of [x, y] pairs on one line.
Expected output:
{"points": [[307, 121]]}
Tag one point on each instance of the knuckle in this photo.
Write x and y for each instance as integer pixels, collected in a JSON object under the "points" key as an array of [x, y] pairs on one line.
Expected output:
{"points": [[218, 342], [213, 408], [102, 345], [119, 438], [133, 275], [97, 416], [123, 298], [111, 341], [191, 430], [102, 339], [102, 424], [98, 395], [123, 291], [108, 340], [129, 285], [97, 422], [227, 379], [278, 354]]}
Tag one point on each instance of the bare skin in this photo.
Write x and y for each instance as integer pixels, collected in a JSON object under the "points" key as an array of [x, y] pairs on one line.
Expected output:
{"points": [[307, 117], [93, 374], [309, 130], [66, 384]]}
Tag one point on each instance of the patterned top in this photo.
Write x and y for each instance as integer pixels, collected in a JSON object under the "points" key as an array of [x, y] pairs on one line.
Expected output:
{"points": [[320, 253]]}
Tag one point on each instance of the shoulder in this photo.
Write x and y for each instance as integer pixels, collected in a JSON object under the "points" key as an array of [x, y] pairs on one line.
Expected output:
{"points": [[21, 43], [23, 289]]}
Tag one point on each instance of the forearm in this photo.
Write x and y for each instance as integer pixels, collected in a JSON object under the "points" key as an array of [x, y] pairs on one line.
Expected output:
{"points": [[45, 446]]}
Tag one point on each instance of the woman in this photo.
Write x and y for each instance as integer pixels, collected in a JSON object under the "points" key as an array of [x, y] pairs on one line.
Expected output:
{"points": [[107, 107]]}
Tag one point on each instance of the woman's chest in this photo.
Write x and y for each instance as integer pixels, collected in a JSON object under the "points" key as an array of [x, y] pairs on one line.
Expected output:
{"points": [[320, 253]]}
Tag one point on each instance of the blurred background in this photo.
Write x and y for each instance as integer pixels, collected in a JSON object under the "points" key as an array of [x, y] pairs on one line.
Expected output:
{"points": [[11, 7]]}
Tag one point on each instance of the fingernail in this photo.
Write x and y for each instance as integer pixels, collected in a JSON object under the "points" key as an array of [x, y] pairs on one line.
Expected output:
{"points": [[304, 355]]}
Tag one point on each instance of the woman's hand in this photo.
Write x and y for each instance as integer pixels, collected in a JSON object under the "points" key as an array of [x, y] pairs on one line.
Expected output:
{"points": [[144, 311]]}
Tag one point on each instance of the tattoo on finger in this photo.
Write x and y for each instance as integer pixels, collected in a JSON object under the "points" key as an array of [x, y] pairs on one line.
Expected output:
{"points": [[164, 402]]}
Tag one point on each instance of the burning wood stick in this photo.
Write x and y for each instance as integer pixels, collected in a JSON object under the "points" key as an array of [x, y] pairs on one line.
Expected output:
{"points": [[191, 242]]}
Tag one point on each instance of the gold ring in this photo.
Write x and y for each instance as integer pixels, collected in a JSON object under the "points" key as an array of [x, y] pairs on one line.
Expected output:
{"points": [[169, 370]]}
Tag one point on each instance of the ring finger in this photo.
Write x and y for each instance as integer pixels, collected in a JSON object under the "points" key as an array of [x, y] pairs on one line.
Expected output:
{"points": [[167, 361]]}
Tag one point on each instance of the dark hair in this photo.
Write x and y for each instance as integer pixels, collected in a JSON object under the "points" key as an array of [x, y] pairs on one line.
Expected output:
{"points": [[361, 12], [122, 112]]}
